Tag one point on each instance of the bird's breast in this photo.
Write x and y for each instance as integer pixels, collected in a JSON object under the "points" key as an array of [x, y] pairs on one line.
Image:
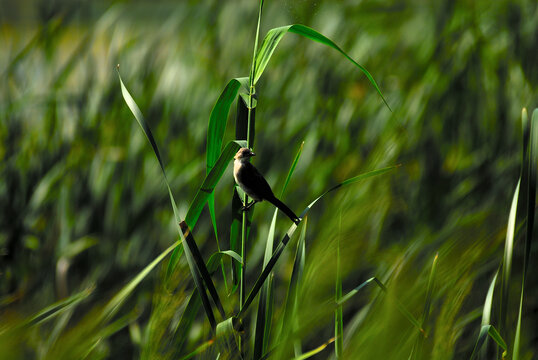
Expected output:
{"points": [[237, 168], [241, 176]]}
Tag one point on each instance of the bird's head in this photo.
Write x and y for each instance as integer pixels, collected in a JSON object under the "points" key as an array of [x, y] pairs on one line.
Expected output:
{"points": [[243, 154]]}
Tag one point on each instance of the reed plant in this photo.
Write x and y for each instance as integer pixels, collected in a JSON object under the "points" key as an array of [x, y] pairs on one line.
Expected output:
{"points": [[354, 279]]}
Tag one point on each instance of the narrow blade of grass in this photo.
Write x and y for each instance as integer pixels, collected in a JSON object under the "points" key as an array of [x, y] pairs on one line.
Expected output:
{"points": [[202, 196], [315, 351], [276, 254], [245, 130], [508, 255], [290, 308], [235, 235], [219, 118], [200, 349], [273, 37], [494, 334], [58, 308], [147, 132], [488, 304], [203, 272], [338, 313], [114, 304], [217, 125], [196, 264], [531, 200], [265, 313], [215, 134]]}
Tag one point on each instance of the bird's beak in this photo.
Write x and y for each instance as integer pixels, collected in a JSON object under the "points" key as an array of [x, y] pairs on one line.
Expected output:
{"points": [[252, 154]]}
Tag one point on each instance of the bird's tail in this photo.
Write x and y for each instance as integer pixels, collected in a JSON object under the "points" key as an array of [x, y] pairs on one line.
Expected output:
{"points": [[286, 210]]}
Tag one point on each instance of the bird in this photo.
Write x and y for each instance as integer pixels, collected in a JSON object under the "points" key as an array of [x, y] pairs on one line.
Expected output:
{"points": [[254, 184]]}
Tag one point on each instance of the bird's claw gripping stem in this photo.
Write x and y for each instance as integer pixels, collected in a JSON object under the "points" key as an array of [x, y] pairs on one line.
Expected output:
{"points": [[248, 206]]}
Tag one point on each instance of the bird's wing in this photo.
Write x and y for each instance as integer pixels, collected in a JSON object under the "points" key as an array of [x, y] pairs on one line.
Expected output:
{"points": [[253, 180]]}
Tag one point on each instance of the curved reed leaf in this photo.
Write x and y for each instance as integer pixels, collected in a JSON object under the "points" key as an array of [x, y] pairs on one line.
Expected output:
{"points": [[200, 349], [194, 259], [508, 255], [293, 289], [273, 37], [531, 200], [488, 304], [114, 304], [226, 339], [147, 132], [265, 314], [289, 324], [58, 308], [203, 271], [292, 169], [219, 118], [484, 332], [202, 196], [215, 132], [315, 351], [276, 254]]}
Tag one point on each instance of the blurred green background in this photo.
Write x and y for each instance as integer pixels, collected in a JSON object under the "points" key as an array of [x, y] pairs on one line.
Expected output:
{"points": [[82, 200]]}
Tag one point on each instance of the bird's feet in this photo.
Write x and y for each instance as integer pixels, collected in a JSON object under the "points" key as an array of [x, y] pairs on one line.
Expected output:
{"points": [[248, 206]]}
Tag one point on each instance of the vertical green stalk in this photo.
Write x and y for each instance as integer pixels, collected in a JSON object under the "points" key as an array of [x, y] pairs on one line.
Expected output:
{"points": [[251, 92], [338, 316]]}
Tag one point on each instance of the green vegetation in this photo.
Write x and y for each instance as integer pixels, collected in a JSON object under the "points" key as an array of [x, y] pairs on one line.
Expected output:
{"points": [[405, 263]]}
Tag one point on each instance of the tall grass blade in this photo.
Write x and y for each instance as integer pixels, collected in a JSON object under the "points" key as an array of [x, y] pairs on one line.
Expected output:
{"points": [[200, 349], [203, 271], [531, 200], [244, 130], [113, 305], [488, 304], [276, 254], [235, 235], [494, 334], [219, 118], [265, 314], [292, 300], [338, 313], [201, 198], [486, 310], [215, 132], [58, 308], [508, 255], [273, 37], [196, 264], [147, 132]]}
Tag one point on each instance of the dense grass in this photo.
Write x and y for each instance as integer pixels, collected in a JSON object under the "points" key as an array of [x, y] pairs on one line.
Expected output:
{"points": [[86, 216]]}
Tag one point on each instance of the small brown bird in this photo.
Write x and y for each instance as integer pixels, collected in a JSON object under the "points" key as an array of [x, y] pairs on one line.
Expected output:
{"points": [[254, 185]]}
